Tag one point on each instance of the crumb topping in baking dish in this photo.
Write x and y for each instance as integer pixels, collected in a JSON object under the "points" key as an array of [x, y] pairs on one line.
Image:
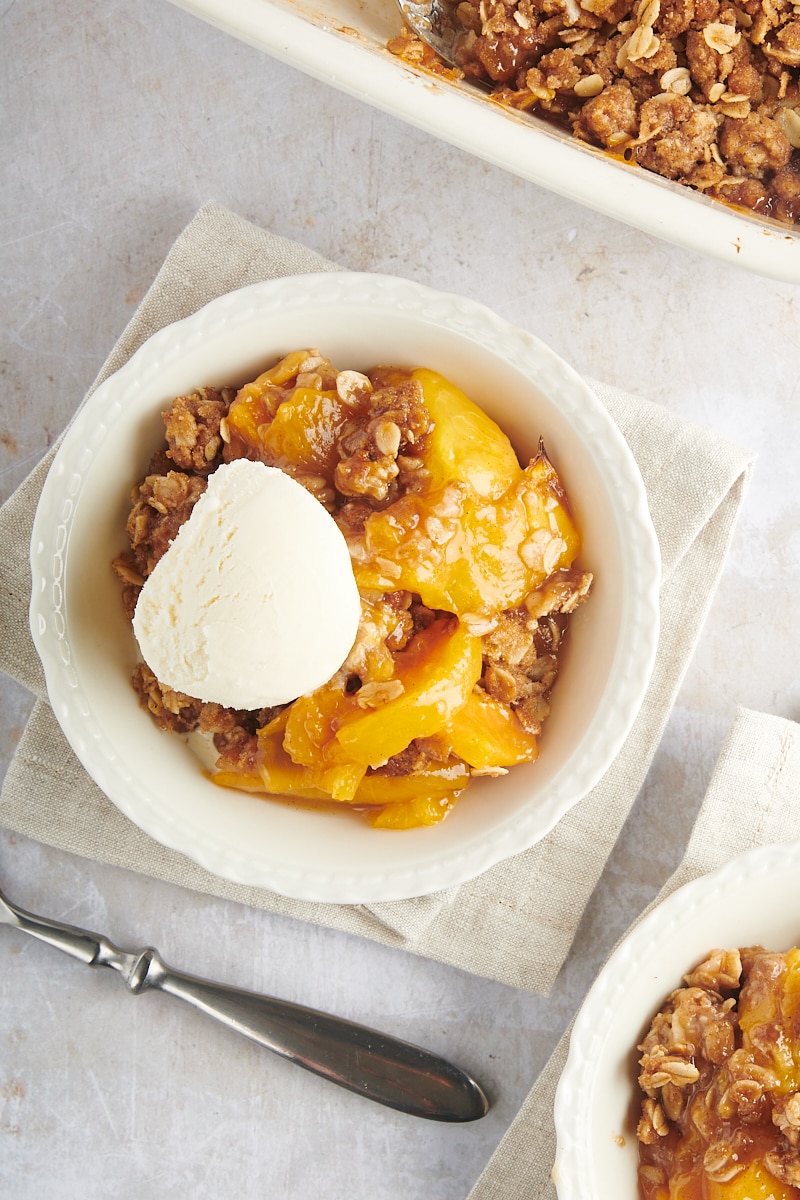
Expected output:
{"points": [[702, 92]]}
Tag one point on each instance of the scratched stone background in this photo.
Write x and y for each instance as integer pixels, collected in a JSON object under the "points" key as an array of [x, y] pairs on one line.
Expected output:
{"points": [[118, 121]]}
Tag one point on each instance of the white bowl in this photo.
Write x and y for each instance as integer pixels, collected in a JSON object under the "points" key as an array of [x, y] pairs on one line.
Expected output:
{"points": [[88, 650], [343, 43], [753, 900]]}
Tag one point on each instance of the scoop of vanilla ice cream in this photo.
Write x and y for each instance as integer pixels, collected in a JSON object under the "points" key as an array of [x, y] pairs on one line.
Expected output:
{"points": [[255, 602]]}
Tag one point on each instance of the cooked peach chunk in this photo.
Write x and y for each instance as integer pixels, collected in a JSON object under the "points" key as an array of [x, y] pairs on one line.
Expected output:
{"points": [[437, 672], [468, 554], [464, 444], [424, 798], [486, 733], [305, 431], [409, 814], [256, 403], [755, 1183], [281, 774], [433, 677], [447, 780]]}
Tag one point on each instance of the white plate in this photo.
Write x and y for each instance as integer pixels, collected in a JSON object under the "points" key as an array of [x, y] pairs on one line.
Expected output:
{"points": [[343, 43], [753, 900], [88, 650]]}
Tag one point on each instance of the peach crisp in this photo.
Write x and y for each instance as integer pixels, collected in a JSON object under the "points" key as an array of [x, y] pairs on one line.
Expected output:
{"points": [[720, 1077], [466, 567]]}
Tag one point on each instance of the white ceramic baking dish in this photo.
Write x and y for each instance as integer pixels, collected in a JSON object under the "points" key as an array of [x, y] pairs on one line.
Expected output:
{"points": [[343, 43]]}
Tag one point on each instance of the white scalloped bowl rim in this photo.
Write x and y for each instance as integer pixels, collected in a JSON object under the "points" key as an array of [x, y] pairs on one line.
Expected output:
{"points": [[752, 900], [88, 651]]}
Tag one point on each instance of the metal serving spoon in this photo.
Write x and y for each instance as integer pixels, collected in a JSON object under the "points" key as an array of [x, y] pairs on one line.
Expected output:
{"points": [[374, 1065], [433, 22]]}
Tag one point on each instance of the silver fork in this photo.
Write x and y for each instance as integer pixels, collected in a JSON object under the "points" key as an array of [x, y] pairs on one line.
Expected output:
{"points": [[373, 1064]]}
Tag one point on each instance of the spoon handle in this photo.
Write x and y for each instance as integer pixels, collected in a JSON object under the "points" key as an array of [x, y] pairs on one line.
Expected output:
{"points": [[375, 1065]]}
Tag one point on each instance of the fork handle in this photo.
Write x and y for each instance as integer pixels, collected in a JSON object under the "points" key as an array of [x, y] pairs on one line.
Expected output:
{"points": [[381, 1068], [79, 943]]}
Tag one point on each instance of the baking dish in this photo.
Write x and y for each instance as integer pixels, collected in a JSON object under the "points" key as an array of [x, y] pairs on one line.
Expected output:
{"points": [[343, 43]]}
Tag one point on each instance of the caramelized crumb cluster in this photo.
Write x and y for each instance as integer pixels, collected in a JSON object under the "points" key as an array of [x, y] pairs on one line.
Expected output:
{"points": [[464, 563], [703, 92]]}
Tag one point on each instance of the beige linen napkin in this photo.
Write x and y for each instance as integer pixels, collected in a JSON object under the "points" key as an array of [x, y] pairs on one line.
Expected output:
{"points": [[516, 922], [753, 799]]}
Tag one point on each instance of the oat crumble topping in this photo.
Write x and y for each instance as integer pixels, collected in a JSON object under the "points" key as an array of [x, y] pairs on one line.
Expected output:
{"points": [[703, 92], [720, 1082]]}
